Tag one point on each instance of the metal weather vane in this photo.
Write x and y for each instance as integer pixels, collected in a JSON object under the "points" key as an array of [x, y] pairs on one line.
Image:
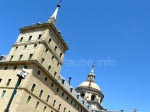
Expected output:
{"points": [[60, 1]]}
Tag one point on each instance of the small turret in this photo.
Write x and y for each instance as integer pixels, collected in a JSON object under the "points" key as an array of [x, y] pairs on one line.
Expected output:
{"points": [[91, 76]]}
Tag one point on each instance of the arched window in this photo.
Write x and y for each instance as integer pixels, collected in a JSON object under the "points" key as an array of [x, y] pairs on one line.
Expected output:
{"points": [[92, 97]]}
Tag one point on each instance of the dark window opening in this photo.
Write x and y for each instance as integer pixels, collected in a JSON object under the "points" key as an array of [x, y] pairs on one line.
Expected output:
{"points": [[42, 60], [41, 92], [28, 99], [25, 46], [52, 84], [48, 97], [46, 79], [37, 104], [20, 57], [8, 83], [33, 87], [30, 38], [49, 67], [46, 50], [55, 48], [55, 74], [67, 98], [54, 103], [92, 97], [3, 93], [11, 58], [57, 89], [30, 56], [25, 67], [44, 110], [53, 57], [60, 54], [59, 107], [63, 94], [49, 40], [35, 45], [40, 35], [58, 64], [15, 67], [82, 95], [21, 39], [38, 72], [16, 48], [5, 68]]}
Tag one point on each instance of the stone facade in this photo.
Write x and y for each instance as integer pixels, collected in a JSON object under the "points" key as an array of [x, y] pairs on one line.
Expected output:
{"points": [[40, 49]]}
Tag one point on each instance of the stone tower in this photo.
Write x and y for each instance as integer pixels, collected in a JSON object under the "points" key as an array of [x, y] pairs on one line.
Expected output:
{"points": [[40, 49], [91, 92]]}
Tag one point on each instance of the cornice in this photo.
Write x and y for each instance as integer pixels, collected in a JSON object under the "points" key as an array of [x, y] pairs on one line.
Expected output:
{"points": [[46, 25]]}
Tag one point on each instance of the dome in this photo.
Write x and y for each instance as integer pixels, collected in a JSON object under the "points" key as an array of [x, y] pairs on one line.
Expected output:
{"points": [[92, 85]]}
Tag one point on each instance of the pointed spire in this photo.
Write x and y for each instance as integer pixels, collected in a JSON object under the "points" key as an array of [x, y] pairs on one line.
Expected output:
{"points": [[53, 18]]}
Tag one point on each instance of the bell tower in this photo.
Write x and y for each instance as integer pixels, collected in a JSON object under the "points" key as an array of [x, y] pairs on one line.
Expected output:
{"points": [[40, 48], [42, 43]]}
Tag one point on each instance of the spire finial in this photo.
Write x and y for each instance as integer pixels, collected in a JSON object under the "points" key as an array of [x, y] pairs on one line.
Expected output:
{"points": [[52, 19], [92, 71]]}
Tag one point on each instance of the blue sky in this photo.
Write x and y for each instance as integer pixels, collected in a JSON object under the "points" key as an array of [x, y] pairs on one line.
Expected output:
{"points": [[114, 34]]}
